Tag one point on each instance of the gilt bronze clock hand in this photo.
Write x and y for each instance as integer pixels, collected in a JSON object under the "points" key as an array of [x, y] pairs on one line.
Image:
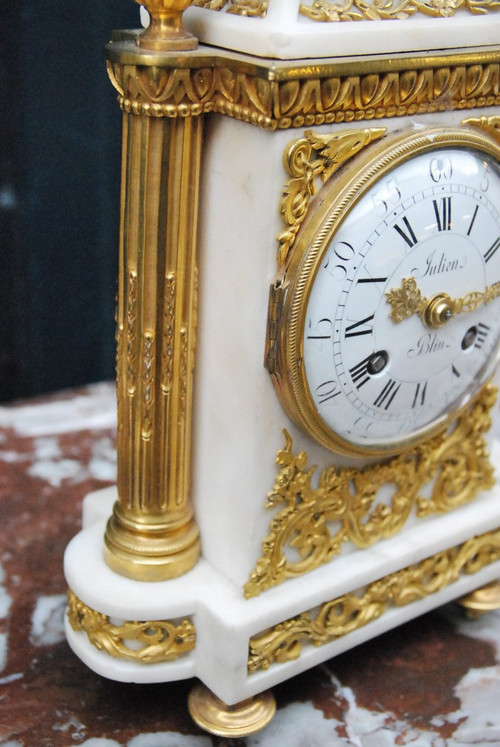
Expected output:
{"points": [[439, 309]]}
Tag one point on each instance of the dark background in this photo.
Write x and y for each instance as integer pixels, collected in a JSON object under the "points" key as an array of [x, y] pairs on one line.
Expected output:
{"points": [[60, 144]]}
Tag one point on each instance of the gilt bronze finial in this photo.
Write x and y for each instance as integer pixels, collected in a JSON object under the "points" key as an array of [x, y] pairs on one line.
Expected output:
{"points": [[165, 31]]}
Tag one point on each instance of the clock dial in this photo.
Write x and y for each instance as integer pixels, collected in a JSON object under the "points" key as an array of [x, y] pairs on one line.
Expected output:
{"points": [[425, 232]]}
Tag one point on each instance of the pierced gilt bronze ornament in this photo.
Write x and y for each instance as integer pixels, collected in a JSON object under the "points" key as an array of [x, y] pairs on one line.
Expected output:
{"points": [[146, 642], [252, 8], [360, 10], [357, 10], [314, 523], [338, 617], [327, 194]]}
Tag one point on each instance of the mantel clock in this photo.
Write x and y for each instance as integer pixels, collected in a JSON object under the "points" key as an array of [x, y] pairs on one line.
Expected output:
{"points": [[308, 334]]}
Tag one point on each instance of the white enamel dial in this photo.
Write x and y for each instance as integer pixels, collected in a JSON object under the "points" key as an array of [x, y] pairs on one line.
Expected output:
{"points": [[435, 218], [418, 215]]}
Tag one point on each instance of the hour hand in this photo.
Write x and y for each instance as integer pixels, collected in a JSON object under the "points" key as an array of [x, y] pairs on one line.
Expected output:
{"points": [[436, 311]]}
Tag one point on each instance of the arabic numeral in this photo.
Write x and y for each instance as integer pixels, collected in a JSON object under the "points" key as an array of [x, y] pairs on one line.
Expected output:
{"points": [[485, 178], [386, 198], [440, 169], [327, 391], [338, 257], [318, 334]]}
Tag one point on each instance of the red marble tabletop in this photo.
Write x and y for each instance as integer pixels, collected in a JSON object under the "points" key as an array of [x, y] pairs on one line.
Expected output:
{"points": [[434, 682]]}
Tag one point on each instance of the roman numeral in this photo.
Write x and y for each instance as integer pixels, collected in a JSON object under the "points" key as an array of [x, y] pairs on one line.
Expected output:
{"points": [[360, 328], [482, 333], [491, 251], [472, 220], [420, 391], [371, 280], [359, 372], [408, 235], [443, 213], [387, 395], [455, 371]]}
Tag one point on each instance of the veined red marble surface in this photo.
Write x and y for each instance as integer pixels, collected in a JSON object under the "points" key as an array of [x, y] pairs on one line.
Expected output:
{"points": [[434, 682]]}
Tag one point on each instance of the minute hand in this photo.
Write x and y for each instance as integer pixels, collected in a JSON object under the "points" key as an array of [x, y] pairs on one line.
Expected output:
{"points": [[439, 309]]}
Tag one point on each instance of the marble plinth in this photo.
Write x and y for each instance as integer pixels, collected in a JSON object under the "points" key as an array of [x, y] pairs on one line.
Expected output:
{"points": [[434, 680]]}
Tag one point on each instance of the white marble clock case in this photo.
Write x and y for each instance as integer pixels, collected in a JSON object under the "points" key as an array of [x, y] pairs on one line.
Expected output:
{"points": [[238, 424], [238, 420]]}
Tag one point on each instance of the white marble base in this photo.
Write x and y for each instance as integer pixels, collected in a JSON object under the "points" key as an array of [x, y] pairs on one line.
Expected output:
{"points": [[225, 621]]}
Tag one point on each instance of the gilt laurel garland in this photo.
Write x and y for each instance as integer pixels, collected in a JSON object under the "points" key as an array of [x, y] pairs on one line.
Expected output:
{"points": [[307, 158], [314, 523], [146, 642], [319, 156], [350, 612], [490, 124], [381, 10]]}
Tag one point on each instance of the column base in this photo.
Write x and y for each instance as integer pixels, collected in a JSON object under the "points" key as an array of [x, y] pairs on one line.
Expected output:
{"points": [[147, 551]]}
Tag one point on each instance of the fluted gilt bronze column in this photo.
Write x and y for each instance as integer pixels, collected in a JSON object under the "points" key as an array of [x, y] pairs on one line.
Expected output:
{"points": [[152, 534]]}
